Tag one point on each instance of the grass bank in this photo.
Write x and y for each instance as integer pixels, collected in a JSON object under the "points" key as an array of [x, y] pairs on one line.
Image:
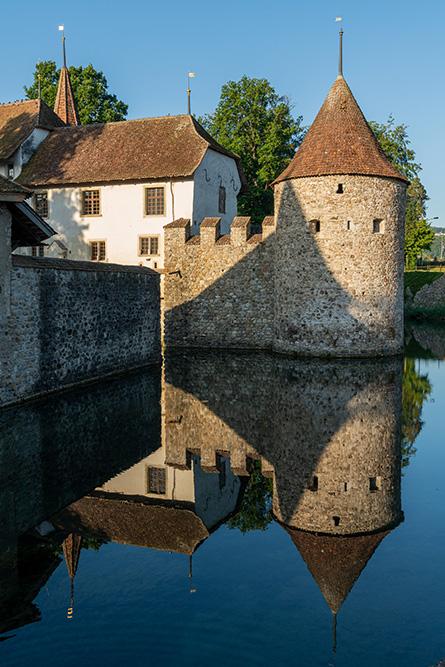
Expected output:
{"points": [[415, 280]]}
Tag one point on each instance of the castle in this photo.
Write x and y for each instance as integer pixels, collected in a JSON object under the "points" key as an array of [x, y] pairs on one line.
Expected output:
{"points": [[325, 277]]}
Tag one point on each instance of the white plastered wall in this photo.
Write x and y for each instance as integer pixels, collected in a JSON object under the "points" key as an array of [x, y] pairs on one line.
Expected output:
{"points": [[120, 222], [215, 170]]}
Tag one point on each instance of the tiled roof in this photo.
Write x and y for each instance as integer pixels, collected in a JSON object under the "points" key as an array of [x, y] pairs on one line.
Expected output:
{"points": [[340, 141], [10, 187], [65, 105], [335, 561], [132, 150], [19, 119], [137, 523]]}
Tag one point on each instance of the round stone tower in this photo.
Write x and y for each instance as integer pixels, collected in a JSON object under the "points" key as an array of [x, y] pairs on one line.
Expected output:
{"points": [[339, 251]]}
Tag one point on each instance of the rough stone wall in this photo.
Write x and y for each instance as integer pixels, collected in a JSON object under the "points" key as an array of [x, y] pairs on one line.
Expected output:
{"points": [[338, 421], [430, 296], [74, 321], [218, 290], [339, 283]]}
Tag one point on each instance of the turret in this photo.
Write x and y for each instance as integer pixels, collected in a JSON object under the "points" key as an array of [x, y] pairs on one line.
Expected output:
{"points": [[340, 208], [65, 105]]}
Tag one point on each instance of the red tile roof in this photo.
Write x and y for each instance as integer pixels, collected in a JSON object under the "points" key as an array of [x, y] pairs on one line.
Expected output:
{"points": [[65, 105], [340, 141], [132, 150], [19, 119], [335, 561]]}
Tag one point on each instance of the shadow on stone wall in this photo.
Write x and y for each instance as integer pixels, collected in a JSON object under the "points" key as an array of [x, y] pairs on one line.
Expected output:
{"points": [[283, 279]]}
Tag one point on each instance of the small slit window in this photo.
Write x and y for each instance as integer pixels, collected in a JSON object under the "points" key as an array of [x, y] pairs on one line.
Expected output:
{"points": [[348, 225], [340, 189], [377, 226], [336, 520], [313, 486], [374, 484], [314, 226]]}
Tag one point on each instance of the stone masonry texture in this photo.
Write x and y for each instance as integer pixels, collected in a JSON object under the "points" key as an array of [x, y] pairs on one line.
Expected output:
{"points": [[325, 278], [75, 321]]}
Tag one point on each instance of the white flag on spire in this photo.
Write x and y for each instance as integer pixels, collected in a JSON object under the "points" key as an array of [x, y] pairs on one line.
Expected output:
{"points": [[337, 18], [62, 27]]}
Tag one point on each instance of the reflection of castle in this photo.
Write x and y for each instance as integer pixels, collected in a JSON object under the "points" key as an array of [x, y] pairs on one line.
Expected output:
{"points": [[157, 506], [327, 432]]}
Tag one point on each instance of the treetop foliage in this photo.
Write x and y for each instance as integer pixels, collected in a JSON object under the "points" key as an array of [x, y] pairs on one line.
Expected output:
{"points": [[395, 144], [252, 120], [90, 88]]}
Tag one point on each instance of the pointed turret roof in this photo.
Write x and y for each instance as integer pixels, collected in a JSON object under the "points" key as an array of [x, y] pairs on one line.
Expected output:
{"points": [[335, 561], [340, 141], [65, 105], [19, 119]]}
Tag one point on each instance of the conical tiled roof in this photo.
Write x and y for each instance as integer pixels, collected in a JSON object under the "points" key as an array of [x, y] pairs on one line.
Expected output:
{"points": [[340, 141], [65, 105], [335, 561]]}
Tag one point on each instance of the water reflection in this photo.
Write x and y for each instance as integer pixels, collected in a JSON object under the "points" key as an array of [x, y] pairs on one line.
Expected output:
{"points": [[320, 439]]}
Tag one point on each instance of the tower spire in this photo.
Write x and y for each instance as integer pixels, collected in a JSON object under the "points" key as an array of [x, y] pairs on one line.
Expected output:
{"points": [[65, 105], [340, 56]]}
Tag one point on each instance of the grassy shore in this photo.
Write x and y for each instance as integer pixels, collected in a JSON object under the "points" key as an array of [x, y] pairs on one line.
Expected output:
{"points": [[414, 281]]}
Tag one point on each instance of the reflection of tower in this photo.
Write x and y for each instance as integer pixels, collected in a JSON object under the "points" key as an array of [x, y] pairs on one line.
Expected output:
{"points": [[71, 551], [339, 505]]}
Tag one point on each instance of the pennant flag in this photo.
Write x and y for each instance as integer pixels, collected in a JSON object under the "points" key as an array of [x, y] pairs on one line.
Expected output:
{"points": [[61, 27], [338, 18], [191, 74]]}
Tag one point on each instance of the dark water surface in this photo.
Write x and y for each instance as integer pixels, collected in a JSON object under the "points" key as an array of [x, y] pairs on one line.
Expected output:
{"points": [[231, 509]]}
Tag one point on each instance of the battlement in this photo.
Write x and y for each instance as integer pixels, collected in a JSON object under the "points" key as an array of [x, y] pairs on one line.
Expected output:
{"points": [[178, 232], [218, 288]]}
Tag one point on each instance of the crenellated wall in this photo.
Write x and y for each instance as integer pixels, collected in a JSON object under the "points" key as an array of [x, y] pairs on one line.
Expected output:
{"points": [[325, 277], [218, 289]]}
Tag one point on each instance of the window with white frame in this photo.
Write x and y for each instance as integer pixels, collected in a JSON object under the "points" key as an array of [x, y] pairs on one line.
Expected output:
{"points": [[41, 204]]}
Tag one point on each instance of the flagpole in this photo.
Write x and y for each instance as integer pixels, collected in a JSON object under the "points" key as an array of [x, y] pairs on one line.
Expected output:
{"points": [[188, 95], [340, 57]]}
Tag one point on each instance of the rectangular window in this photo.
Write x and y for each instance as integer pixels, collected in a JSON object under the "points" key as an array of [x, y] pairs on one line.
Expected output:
{"points": [[38, 251], [156, 480], [41, 204], [148, 245], [155, 201], [10, 169], [222, 199], [91, 202], [377, 226], [98, 251]]}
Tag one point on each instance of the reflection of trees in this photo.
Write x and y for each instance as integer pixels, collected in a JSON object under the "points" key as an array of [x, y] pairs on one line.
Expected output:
{"points": [[416, 388], [254, 510]]}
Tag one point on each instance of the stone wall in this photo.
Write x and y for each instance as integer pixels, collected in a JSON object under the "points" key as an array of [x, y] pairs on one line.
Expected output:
{"points": [[339, 265], [325, 277], [218, 289], [74, 321]]}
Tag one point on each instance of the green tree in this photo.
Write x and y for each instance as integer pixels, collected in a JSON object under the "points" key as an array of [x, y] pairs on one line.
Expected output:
{"points": [[416, 389], [254, 511], [256, 123], [90, 88], [395, 143]]}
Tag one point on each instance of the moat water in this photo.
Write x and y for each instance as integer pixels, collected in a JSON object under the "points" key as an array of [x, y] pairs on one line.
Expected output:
{"points": [[230, 509]]}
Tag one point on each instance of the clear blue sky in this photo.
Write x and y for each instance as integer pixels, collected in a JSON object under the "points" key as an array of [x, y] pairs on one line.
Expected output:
{"points": [[393, 57]]}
